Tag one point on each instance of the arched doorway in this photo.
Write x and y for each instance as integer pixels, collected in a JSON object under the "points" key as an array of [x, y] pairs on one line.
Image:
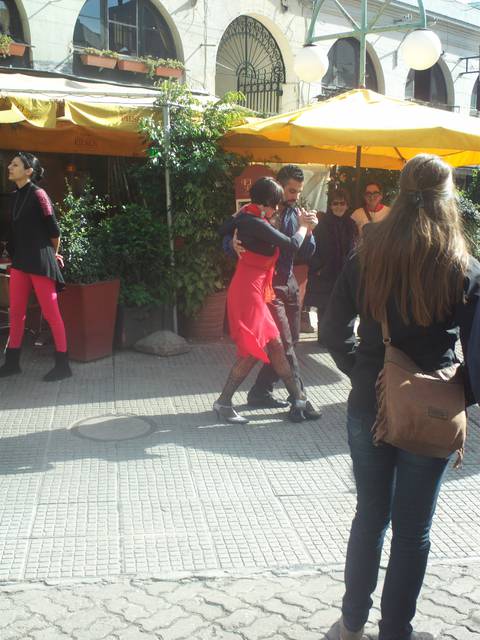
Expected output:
{"points": [[249, 60], [428, 86], [344, 65]]}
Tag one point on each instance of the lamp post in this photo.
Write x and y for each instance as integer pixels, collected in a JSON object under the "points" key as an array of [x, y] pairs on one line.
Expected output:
{"points": [[420, 49]]}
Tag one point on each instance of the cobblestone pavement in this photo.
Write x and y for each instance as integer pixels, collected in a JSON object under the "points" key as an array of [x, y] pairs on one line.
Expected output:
{"points": [[195, 529]]}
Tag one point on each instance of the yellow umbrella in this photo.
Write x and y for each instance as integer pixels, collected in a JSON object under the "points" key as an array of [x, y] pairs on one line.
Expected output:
{"points": [[389, 131]]}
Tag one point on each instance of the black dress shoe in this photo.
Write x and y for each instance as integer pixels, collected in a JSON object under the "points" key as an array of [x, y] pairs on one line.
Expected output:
{"points": [[297, 411], [267, 401], [310, 412]]}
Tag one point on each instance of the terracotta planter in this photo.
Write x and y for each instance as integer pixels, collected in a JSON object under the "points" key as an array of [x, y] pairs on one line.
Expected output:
{"points": [[104, 62], [134, 66], [209, 320], [89, 312], [16, 49], [168, 72]]}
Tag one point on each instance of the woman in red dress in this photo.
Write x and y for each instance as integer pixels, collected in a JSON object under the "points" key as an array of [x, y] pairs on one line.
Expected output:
{"points": [[251, 324]]}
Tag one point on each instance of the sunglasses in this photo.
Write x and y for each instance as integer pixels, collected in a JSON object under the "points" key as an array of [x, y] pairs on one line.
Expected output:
{"points": [[372, 194], [338, 203]]}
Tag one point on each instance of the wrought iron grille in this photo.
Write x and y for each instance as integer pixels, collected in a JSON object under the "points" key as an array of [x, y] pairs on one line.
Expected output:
{"points": [[249, 60]]}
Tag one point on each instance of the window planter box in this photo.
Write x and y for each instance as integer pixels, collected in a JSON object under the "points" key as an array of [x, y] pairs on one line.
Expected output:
{"points": [[104, 62], [134, 66], [17, 49], [168, 72]]}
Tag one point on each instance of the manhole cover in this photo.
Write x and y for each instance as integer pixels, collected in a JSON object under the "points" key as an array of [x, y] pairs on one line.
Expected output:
{"points": [[113, 427]]}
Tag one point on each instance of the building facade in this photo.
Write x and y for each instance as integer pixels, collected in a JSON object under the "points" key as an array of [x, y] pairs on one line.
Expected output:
{"points": [[248, 45]]}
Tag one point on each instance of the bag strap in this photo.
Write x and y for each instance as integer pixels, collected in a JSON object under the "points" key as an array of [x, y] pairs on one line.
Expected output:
{"points": [[386, 330]]}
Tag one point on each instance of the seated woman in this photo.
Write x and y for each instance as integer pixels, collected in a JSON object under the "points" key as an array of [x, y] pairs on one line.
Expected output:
{"points": [[251, 324], [335, 237]]}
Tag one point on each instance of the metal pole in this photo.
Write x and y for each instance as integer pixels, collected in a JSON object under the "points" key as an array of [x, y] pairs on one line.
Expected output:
{"points": [[168, 199], [358, 173], [363, 45]]}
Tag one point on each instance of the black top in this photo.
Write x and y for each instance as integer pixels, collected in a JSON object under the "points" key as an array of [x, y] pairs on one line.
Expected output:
{"points": [[334, 237], [259, 236], [431, 348], [32, 226]]}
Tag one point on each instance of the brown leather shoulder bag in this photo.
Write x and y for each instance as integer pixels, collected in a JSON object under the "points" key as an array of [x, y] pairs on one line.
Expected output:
{"points": [[420, 412]]}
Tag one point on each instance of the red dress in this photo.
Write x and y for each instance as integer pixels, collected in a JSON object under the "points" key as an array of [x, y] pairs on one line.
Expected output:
{"points": [[251, 323]]}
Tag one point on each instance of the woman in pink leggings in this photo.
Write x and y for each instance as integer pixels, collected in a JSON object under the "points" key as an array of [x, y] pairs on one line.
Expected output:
{"points": [[33, 245]]}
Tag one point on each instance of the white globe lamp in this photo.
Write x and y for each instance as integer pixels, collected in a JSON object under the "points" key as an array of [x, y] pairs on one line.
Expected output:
{"points": [[421, 49], [311, 64]]}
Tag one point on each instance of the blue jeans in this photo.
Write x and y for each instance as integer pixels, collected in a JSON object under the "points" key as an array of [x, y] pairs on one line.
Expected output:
{"points": [[401, 488]]}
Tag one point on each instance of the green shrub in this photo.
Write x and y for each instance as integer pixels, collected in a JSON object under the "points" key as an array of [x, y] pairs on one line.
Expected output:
{"points": [[136, 249], [202, 187], [83, 253]]}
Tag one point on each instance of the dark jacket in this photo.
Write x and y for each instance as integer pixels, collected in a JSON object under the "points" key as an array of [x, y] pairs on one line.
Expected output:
{"points": [[473, 356], [259, 236], [289, 226], [334, 239], [361, 359]]}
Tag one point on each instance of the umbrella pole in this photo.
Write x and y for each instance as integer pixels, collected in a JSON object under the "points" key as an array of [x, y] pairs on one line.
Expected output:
{"points": [[358, 171]]}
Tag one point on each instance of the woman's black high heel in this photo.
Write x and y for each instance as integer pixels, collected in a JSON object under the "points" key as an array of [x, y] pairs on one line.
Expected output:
{"points": [[228, 414], [296, 411]]}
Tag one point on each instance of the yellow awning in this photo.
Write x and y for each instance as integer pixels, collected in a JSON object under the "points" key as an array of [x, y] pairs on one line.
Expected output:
{"points": [[70, 138], [72, 126], [388, 130], [39, 113]]}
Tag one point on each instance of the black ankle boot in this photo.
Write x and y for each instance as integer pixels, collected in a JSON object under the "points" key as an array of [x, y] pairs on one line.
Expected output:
{"points": [[61, 369], [12, 363]]}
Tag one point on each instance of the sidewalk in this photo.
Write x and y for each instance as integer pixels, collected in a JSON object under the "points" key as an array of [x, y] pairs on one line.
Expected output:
{"points": [[194, 529]]}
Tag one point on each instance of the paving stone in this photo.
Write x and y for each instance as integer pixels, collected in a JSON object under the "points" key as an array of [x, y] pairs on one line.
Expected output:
{"points": [[198, 528], [183, 628], [263, 627], [297, 632], [239, 619], [163, 618], [49, 634]]}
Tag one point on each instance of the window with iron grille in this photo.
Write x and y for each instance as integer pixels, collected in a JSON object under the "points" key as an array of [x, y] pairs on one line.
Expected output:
{"points": [[249, 60]]}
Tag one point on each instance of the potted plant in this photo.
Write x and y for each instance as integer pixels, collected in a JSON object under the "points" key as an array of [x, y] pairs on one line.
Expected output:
{"points": [[89, 302], [136, 248], [202, 187], [163, 67], [8, 47], [133, 65], [102, 58]]}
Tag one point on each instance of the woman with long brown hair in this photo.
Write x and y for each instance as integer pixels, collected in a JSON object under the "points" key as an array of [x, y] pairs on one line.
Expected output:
{"points": [[414, 267]]}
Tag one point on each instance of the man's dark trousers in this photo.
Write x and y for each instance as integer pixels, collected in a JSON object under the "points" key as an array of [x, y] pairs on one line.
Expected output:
{"points": [[285, 310]]}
